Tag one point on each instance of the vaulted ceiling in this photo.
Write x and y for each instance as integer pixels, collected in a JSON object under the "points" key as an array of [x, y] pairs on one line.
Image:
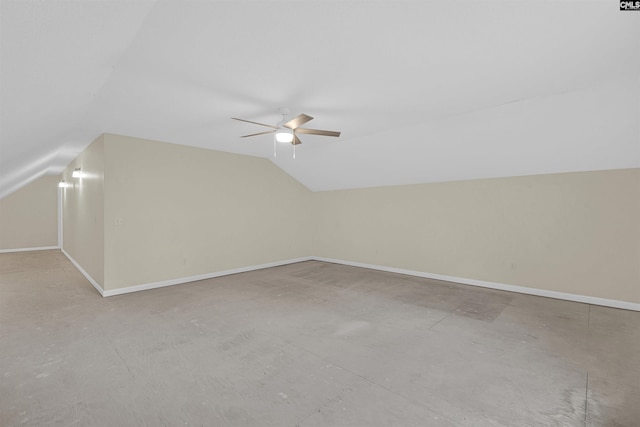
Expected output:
{"points": [[422, 91]]}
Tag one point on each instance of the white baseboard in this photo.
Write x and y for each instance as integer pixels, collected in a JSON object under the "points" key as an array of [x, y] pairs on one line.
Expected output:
{"points": [[84, 273], [39, 248], [493, 285], [465, 281], [154, 285]]}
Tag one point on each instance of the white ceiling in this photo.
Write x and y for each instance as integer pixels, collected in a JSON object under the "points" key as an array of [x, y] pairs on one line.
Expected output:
{"points": [[422, 91]]}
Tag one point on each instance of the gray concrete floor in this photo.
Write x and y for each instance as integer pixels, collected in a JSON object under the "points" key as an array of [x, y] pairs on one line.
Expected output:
{"points": [[308, 344]]}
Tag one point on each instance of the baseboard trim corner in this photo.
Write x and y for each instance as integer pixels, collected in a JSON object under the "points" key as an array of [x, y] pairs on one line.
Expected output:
{"points": [[625, 305], [84, 273], [39, 248], [181, 280]]}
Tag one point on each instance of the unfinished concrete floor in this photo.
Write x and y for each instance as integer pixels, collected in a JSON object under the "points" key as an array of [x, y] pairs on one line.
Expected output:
{"points": [[308, 344]]}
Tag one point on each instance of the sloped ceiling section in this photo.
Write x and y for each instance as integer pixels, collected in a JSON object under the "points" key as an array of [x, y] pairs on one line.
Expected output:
{"points": [[56, 57], [422, 91]]}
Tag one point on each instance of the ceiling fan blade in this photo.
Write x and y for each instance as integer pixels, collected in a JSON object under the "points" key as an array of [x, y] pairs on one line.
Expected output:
{"points": [[259, 133], [318, 132], [296, 140], [255, 123], [297, 121]]}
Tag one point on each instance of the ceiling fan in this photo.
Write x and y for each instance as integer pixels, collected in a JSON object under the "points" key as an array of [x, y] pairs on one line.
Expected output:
{"points": [[288, 130]]}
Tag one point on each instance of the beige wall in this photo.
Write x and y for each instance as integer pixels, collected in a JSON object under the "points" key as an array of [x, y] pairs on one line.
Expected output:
{"points": [[29, 216], [83, 211], [577, 233], [173, 211]]}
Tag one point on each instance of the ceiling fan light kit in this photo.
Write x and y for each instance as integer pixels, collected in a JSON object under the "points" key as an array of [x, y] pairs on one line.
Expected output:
{"points": [[286, 130], [284, 135]]}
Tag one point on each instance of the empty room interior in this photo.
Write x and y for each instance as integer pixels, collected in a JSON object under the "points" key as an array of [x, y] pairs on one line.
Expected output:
{"points": [[319, 213]]}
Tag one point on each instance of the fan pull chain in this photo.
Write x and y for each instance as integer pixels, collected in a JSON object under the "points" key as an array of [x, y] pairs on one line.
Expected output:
{"points": [[275, 154], [294, 151]]}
